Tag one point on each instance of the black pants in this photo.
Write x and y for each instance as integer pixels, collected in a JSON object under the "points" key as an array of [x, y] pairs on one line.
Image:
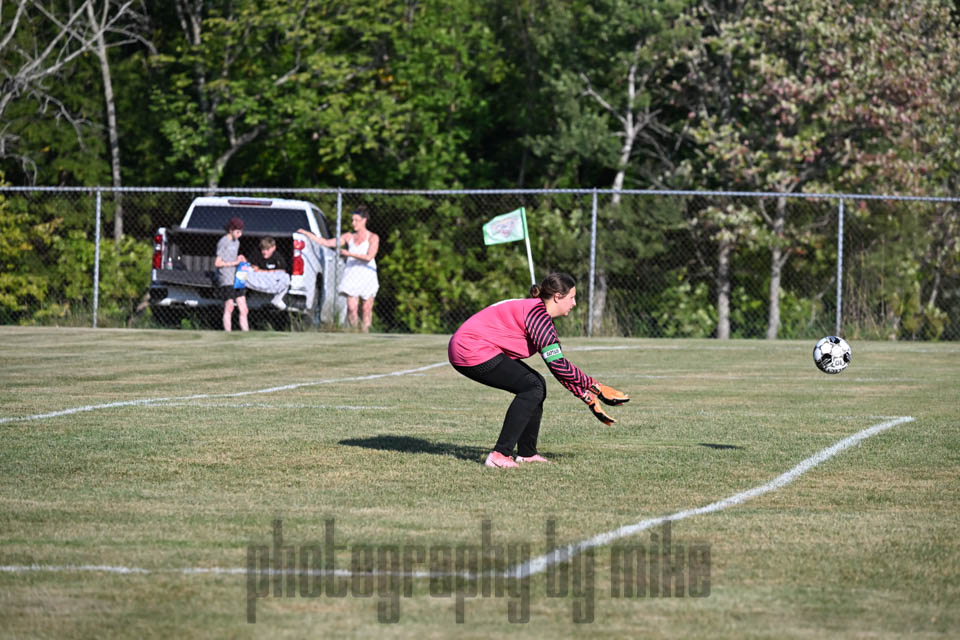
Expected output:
{"points": [[521, 425]]}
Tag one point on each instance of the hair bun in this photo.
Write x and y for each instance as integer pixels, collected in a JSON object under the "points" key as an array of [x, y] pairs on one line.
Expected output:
{"points": [[554, 283]]}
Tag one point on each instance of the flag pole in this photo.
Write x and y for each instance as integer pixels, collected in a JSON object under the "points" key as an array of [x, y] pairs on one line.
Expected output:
{"points": [[526, 239]]}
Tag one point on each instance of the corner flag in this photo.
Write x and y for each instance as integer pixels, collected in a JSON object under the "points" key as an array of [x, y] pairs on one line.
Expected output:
{"points": [[510, 227]]}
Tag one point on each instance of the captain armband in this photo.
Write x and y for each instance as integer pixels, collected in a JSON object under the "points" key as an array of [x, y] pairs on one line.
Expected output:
{"points": [[551, 352]]}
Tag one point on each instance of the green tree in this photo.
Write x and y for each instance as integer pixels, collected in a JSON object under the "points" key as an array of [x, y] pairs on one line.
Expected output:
{"points": [[114, 25], [807, 95], [417, 108], [605, 64], [54, 129], [375, 92], [22, 287], [236, 73]]}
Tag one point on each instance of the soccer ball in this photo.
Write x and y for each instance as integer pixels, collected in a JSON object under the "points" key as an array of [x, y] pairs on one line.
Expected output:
{"points": [[832, 354]]}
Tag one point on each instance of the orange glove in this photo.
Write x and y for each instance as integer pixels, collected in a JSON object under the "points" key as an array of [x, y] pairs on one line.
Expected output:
{"points": [[597, 410], [609, 395]]}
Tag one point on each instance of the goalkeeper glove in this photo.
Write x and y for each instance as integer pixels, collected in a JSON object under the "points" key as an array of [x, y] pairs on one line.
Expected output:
{"points": [[595, 407], [609, 395]]}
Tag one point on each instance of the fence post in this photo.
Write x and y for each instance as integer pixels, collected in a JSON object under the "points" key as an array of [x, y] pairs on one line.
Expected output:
{"points": [[96, 263], [336, 256], [839, 265], [593, 260]]}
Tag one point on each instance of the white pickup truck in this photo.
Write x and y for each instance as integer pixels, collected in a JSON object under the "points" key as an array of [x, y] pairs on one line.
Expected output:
{"points": [[183, 278]]}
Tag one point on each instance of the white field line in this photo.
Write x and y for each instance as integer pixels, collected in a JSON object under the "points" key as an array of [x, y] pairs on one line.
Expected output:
{"points": [[270, 405], [208, 396], [562, 554], [556, 556], [239, 394]]}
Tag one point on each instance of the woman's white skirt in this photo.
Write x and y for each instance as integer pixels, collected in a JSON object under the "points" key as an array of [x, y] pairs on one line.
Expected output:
{"points": [[359, 280]]}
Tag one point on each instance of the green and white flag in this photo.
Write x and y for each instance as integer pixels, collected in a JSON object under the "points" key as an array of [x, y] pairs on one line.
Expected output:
{"points": [[508, 227]]}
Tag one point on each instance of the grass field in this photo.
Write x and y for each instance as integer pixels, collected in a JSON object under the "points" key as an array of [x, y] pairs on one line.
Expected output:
{"points": [[135, 515]]}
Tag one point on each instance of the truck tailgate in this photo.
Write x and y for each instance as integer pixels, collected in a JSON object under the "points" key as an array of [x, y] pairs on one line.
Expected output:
{"points": [[190, 278]]}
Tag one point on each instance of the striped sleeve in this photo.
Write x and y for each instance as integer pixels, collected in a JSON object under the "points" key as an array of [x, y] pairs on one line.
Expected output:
{"points": [[540, 330]]}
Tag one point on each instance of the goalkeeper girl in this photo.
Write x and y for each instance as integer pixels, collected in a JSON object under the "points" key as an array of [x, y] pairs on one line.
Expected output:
{"points": [[488, 348]]}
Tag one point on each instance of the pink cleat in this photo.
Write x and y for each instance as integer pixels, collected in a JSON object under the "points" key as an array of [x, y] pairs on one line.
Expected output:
{"points": [[534, 458], [497, 459]]}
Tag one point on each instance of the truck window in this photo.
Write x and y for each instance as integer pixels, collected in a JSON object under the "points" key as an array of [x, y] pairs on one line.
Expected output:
{"points": [[257, 219], [321, 222]]}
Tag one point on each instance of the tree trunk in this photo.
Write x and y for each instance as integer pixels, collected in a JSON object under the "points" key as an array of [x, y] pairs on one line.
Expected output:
{"points": [[236, 143], [599, 301], [773, 304], [777, 260], [114, 138], [633, 124], [723, 289]]}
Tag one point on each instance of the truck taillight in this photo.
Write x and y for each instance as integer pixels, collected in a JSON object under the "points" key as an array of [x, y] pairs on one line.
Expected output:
{"points": [[158, 251], [298, 246]]}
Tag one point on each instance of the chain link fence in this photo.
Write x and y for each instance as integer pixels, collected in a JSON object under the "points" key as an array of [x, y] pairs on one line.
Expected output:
{"points": [[648, 264]]}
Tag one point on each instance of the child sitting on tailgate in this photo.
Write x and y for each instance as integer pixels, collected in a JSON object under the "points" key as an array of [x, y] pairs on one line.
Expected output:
{"points": [[270, 273]]}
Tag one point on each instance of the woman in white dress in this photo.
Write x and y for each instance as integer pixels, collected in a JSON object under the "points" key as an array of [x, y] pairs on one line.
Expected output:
{"points": [[359, 282]]}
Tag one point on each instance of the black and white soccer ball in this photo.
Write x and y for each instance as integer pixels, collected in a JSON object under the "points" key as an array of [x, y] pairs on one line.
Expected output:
{"points": [[832, 354]]}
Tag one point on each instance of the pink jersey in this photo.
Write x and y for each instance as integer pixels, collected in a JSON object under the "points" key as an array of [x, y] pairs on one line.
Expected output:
{"points": [[517, 329]]}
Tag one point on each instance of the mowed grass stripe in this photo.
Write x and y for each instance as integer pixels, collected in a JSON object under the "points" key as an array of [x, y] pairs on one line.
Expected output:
{"points": [[555, 556], [238, 394], [210, 396], [866, 546]]}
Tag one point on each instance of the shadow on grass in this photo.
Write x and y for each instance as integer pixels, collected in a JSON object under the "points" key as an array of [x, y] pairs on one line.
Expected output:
{"points": [[406, 444], [712, 445]]}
